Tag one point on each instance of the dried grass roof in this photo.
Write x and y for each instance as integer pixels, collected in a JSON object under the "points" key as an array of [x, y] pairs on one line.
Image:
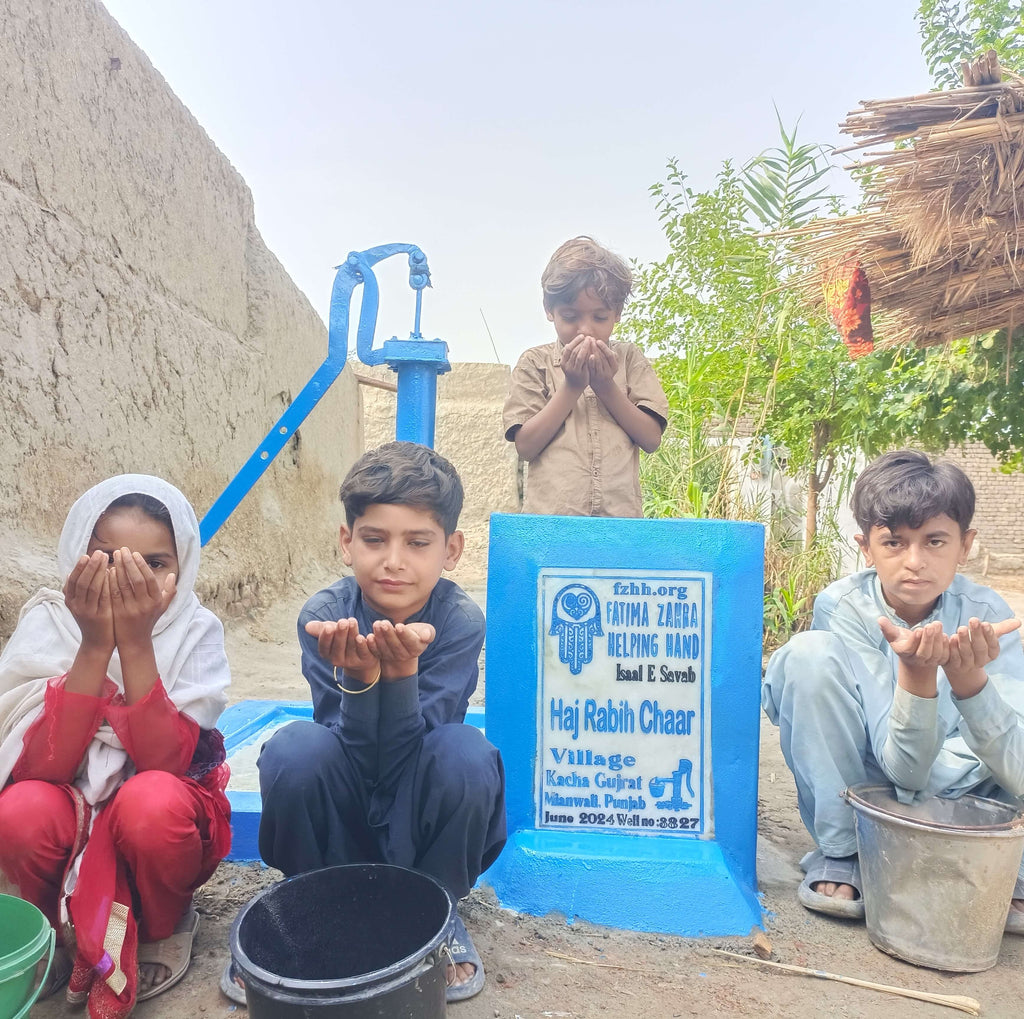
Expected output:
{"points": [[942, 240]]}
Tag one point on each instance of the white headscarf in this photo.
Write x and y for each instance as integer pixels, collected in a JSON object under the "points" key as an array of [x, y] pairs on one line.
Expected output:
{"points": [[188, 641]]}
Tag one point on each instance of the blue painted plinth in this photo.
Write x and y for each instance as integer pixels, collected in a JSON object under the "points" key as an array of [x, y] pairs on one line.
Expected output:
{"points": [[640, 884], [623, 656]]}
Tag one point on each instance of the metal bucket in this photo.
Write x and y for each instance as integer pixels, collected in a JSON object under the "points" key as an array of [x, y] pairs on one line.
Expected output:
{"points": [[937, 877]]}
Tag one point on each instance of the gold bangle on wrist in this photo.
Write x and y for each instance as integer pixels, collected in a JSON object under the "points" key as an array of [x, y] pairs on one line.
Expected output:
{"points": [[355, 693]]}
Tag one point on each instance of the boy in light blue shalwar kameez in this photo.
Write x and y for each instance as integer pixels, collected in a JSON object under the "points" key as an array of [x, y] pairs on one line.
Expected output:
{"points": [[910, 674]]}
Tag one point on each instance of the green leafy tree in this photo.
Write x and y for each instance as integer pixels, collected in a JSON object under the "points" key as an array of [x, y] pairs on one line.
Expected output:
{"points": [[695, 294], [735, 348], [970, 392], [953, 31], [740, 353]]}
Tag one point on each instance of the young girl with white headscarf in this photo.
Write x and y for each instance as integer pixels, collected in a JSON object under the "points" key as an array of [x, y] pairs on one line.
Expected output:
{"points": [[112, 775]]}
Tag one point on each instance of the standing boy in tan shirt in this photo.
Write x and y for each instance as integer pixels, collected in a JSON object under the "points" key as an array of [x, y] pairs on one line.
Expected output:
{"points": [[580, 409]]}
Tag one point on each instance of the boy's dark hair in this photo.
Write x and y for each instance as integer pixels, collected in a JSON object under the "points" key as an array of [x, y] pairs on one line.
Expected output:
{"points": [[582, 264], [407, 474], [147, 504], [904, 489]]}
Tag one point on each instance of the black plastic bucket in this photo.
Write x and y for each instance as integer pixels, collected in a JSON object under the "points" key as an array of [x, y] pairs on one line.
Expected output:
{"points": [[363, 941]]}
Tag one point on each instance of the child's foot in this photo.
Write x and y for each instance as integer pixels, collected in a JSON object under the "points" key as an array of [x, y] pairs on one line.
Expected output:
{"points": [[151, 975], [461, 974], [834, 891], [466, 973], [231, 984], [163, 963], [831, 885]]}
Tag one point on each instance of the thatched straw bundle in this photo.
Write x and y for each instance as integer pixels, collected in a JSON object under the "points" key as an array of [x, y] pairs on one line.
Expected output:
{"points": [[942, 240]]}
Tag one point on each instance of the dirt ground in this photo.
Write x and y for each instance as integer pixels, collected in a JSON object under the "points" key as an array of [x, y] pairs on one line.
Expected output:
{"points": [[543, 967]]}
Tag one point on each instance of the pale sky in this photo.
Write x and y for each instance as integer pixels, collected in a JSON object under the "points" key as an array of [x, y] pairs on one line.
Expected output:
{"points": [[487, 134]]}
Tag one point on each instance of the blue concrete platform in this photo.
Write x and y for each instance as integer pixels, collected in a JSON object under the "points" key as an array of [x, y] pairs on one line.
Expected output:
{"points": [[642, 884], [246, 726]]}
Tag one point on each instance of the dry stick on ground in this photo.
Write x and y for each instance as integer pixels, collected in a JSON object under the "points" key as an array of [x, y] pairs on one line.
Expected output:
{"points": [[959, 1001], [589, 962]]}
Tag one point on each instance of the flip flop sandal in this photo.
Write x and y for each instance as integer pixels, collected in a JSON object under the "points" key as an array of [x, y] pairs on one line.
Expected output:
{"points": [[462, 950], [174, 952], [842, 871], [229, 987]]}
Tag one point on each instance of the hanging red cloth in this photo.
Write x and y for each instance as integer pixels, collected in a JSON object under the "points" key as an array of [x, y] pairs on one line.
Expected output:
{"points": [[848, 300]]}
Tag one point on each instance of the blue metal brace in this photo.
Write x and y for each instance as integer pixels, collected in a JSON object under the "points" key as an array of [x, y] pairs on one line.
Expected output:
{"points": [[418, 362]]}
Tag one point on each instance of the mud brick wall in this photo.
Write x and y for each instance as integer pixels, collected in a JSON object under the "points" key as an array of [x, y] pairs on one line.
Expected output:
{"points": [[144, 325], [1000, 509]]}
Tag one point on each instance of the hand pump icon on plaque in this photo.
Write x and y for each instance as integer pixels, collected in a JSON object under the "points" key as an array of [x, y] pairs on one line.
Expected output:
{"points": [[657, 787]]}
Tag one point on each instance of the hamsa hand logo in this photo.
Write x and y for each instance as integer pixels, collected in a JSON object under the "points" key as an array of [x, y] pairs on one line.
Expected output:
{"points": [[576, 619]]}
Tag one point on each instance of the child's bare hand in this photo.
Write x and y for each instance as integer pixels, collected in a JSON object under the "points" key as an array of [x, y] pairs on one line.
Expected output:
{"points": [[399, 646], [971, 648], [137, 600], [344, 647], [87, 596], [924, 648], [576, 362], [603, 366]]}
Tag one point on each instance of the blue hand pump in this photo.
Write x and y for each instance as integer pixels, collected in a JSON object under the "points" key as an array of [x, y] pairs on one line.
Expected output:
{"points": [[417, 361]]}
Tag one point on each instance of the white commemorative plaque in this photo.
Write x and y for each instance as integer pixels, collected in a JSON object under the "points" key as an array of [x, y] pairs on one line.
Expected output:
{"points": [[624, 701]]}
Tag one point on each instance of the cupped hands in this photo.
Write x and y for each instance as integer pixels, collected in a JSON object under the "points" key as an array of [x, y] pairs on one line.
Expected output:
{"points": [[116, 605], [399, 646], [962, 655], [576, 362], [971, 648], [587, 361], [393, 648], [603, 366], [136, 598], [87, 596], [922, 648]]}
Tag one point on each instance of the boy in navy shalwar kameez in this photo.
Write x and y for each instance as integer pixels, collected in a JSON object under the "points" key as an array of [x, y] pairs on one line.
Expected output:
{"points": [[388, 771]]}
